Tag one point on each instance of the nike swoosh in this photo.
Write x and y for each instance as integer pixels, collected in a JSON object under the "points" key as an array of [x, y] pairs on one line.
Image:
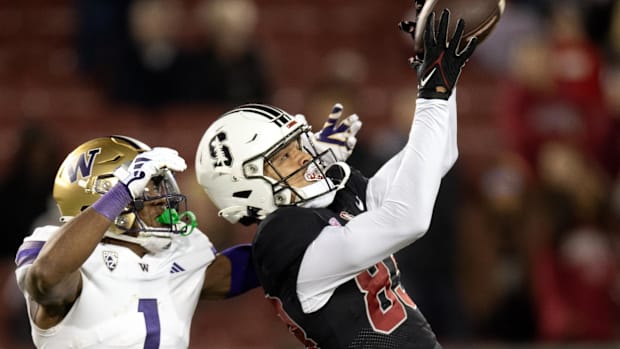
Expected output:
{"points": [[359, 203], [425, 79]]}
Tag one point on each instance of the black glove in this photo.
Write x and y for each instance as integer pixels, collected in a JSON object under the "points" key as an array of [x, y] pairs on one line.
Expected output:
{"points": [[442, 65]]}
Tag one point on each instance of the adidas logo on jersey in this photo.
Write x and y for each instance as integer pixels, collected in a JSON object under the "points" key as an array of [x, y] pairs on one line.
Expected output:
{"points": [[176, 268], [359, 204]]}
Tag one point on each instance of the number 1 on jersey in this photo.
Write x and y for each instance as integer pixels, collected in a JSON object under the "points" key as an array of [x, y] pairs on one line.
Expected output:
{"points": [[148, 306]]}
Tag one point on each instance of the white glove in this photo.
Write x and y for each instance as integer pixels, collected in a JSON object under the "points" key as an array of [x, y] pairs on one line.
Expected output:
{"points": [[148, 165], [337, 136]]}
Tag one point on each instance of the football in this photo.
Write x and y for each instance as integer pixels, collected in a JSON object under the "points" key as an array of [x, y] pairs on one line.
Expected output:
{"points": [[480, 17]]}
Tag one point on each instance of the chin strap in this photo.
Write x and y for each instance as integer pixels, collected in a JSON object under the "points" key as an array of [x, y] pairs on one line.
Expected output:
{"points": [[151, 243], [234, 213], [320, 192]]}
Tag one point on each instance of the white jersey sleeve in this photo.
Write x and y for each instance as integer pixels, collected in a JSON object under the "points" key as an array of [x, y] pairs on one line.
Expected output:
{"points": [[379, 184], [400, 201], [29, 250]]}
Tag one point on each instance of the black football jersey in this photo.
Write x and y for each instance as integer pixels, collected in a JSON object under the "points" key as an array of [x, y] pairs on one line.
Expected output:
{"points": [[370, 311]]}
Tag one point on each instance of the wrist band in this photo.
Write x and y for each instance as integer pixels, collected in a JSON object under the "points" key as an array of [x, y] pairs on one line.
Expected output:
{"points": [[112, 203], [242, 278]]}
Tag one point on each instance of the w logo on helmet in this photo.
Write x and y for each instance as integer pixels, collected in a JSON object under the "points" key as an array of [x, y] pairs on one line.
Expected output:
{"points": [[219, 151], [84, 165]]}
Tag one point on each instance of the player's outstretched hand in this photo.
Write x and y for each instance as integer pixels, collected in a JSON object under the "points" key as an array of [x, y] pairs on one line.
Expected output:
{"points": [[442, 64], [340, 137], [147, 165]]}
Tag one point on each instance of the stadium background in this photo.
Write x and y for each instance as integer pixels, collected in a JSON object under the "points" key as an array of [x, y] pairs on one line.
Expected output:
{"points": [[524, 249]]}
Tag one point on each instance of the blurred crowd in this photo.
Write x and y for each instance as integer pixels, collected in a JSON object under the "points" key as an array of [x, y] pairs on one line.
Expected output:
{"points": [[149, 58], [524, 246]]}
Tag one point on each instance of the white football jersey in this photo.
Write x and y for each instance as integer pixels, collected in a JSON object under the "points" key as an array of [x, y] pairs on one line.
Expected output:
{"points": [[127, 301]]}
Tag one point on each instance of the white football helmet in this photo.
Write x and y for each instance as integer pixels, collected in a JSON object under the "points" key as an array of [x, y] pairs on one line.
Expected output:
{"points": [[88, 172], [234, 151]]}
